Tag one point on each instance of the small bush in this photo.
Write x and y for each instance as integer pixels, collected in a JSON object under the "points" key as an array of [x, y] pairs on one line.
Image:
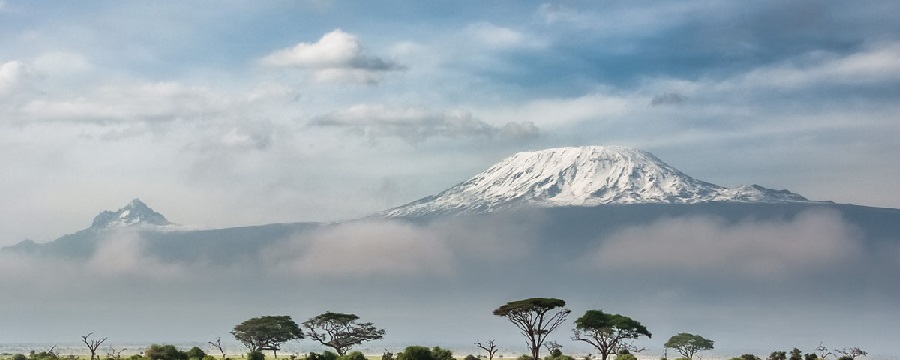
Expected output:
{"points": [[415, 353], [256, 355], [356, 355], [19, 357], [625, 357], [196, 353], [525, 357]]}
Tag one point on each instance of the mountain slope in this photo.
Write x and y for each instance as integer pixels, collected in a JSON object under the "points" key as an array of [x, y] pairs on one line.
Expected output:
{"points": [[582, 176], [162, 238], [135, 214]]}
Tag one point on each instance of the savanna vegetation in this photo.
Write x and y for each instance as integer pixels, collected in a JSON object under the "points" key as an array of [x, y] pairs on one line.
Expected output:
{"points": [[535, 318]]}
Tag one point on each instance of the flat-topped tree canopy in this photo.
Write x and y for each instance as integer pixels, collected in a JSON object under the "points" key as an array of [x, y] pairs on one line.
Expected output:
{"points": [[534, 319], [267, 332], [607, 332], [340, 331]]}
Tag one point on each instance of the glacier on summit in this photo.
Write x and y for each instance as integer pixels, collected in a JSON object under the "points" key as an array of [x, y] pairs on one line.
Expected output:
{"points": [[582, 176]]}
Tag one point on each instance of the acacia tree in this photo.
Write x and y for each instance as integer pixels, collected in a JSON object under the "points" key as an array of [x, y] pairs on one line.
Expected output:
{"points": [[267, 333], [341, 331], [490, 347], [688, 344], [607, 332], [851, 353], [218, 345], [535, 319], [92, 344]]}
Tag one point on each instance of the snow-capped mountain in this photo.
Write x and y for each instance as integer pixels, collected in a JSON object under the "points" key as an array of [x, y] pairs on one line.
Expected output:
{"points": [[582, 176], [135, 214]]}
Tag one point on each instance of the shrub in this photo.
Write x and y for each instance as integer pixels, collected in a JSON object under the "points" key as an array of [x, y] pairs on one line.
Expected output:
{"points": [[557, 354], [256, 355], [415, 353], [196, 353], [471, 357], [19, 357], [164, 352], [525, 357], [625, 357], [209, 357], [356, 355], [749, 357]]}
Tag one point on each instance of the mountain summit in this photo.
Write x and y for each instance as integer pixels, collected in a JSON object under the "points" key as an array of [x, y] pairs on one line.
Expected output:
{"points": [[135, 214], [582, 176]]}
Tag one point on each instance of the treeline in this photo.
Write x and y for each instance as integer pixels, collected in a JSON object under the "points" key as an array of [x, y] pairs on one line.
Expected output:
{"points": [[535, 318]]}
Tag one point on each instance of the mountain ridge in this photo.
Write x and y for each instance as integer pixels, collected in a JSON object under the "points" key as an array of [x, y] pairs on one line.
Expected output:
{"points": [[581, 176], [135, 214]]}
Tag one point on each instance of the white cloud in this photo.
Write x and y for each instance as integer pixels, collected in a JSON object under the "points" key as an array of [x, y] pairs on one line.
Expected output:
{"points": [[150, 102], [878, 63], [815, 240], [247, 139], [14, 75], [416, 124], [337, 56], [62, 63], [558, 112], [494, 35]]}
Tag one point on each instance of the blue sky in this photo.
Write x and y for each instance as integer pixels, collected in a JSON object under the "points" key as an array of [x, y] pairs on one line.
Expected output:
{"points": [[236, 112]]}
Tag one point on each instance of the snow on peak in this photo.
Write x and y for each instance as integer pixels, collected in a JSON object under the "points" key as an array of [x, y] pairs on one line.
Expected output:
{"points": [[135, 214], [581, 176]]}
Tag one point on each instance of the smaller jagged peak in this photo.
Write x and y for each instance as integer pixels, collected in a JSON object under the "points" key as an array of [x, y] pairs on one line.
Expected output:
{"points": [[134, 214]]}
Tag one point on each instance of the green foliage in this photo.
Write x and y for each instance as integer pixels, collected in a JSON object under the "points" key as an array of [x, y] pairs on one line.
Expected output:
{"points": [[749, 357], [525, 357], [424, 353], [341, 331], [796, 354], [777, 355], [43, 355], [356, 355], [688, 344], [387, 356], [196, 353], [415, 353], [810, 357], [136, 357], [267, 332], [608, 332], [209, 357], [533, 318], [325, 355], [256, 355], [164, 352], [470, 357], [557, 354], [625, 357], [441, 354], [19, 357]]}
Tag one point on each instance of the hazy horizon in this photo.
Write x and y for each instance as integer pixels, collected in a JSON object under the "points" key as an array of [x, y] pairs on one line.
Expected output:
{"points": [[239, 113]]}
